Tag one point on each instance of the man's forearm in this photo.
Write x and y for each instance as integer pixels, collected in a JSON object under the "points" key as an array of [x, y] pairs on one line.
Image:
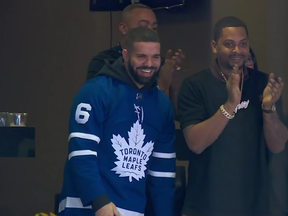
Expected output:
{"points": [[275, 132], [202, 135]]}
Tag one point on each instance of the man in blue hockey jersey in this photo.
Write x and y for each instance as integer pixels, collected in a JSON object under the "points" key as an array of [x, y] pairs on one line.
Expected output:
{"points": [[121, 138]]}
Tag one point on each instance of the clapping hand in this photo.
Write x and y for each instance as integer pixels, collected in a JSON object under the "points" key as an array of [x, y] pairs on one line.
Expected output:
{"points": [[234, 92], [173, 63], [272, 92]]}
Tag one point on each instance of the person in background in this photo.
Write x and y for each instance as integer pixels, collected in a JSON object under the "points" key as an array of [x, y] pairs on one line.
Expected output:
{"points": [[277, 164], [231, 116], [121, 138], [135, 15], [279, 182], [251, 61]]}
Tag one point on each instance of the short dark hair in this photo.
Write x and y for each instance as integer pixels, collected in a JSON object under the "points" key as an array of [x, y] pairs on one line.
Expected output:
{"points": [[229, 21], [127, 10], [140, 34]]}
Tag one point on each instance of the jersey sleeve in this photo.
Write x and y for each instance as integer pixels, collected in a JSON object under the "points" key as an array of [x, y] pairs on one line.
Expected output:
{"points": [[191, 105], [85, 132], [161, 173]]}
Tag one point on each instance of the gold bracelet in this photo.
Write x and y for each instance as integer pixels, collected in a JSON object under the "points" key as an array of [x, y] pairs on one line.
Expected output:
{"points": [[225, 113]]}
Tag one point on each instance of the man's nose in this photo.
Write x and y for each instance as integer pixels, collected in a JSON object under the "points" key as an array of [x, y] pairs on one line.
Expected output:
{"points": [[236, 49], [149, 62]]}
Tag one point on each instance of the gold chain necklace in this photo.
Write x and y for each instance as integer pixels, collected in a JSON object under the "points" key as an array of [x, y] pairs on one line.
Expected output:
{"points": [[242, 80]]}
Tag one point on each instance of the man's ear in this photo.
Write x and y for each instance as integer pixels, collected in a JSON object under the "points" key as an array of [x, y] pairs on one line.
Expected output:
{"points": [[125, 55], [214, 46], [123, 28]]}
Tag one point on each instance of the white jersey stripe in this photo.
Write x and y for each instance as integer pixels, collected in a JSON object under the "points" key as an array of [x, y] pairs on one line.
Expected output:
{"points": [[164, 155], [162, 174], [81, 153], [84, 136], [71, 202]]}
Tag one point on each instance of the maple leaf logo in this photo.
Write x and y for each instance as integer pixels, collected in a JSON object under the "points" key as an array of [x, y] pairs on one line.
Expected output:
{"points": [[132, 156]]}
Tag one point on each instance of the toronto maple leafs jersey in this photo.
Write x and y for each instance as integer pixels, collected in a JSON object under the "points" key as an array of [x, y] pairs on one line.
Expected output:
{"points": [[121, 139]]}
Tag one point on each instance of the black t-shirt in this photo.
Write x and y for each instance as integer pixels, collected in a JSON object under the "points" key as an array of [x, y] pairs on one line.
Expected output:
{"points": [[230, 177]]}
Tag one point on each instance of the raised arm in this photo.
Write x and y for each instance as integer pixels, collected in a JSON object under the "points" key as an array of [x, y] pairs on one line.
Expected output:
{"points": [[275, 132], [199, 130], [168, 81]]}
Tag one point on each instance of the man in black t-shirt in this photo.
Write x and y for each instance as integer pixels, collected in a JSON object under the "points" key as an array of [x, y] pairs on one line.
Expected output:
{"points": [[231, 117], [133, 16]]}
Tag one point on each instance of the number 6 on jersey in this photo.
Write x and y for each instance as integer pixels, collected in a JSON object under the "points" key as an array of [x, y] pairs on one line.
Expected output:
{"points": [[82, 115]]}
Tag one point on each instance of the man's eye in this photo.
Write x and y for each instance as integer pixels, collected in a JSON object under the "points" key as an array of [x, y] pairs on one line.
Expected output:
{"points": [[243, 44], [229, 45]]}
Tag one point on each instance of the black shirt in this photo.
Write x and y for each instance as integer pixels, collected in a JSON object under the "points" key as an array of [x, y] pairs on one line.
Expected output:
{"points": [[230, 177]]}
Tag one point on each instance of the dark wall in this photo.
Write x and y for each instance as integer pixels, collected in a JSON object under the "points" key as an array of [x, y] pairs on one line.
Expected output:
{"points": [[45, 50], [277, 48], [45, 47]]}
